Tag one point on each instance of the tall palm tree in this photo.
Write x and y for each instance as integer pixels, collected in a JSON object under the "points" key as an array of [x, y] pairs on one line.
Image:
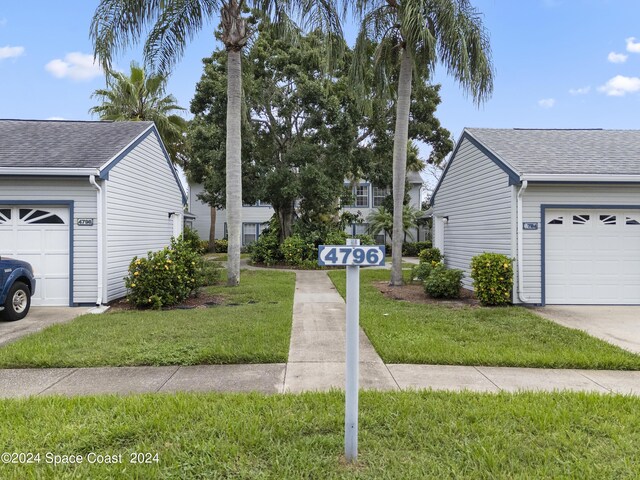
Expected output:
{"points": [[413, 37], [117, 24], [138, 96]]}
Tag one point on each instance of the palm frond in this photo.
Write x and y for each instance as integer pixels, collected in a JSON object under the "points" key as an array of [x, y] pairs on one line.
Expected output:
{"points": [[177, 23]]}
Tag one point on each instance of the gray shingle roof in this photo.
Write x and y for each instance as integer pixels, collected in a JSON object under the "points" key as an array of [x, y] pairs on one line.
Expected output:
{"points": [[564, 151], [64, 144]]}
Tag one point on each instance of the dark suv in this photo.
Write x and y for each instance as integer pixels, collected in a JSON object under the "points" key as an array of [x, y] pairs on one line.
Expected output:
{"points": [[16, 288]]}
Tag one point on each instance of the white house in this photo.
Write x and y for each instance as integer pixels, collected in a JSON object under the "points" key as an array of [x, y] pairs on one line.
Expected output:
{"points": [[565, 204], [78, 200], [255, 217]]}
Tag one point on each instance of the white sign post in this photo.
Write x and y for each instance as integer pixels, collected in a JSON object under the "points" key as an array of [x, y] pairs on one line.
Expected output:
{"points": [[353, 256]]}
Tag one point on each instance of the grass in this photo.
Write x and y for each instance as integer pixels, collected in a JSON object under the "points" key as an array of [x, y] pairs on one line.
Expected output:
{"points": [[223, 257], [253, 326], [404, 332], [403, 435]]}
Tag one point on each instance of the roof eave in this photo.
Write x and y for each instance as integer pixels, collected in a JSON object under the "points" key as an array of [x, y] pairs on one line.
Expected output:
{"points": [[580, 178], [49, 171]]}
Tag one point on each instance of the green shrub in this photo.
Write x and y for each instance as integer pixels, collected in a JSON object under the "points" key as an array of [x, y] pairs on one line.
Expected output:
{"points": [[297, 250], [335, 237], [492, 275], [421, 272], [222, 245], [266, 249], [204, 246], [192, 239], [413, 249], [430, 255], [443, 282], [211, 273], [366, 239], [166, 277]]}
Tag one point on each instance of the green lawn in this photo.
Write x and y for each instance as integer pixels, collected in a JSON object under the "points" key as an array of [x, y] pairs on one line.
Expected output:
{"points": [[407, 435], [253, 326], [404, 332]]}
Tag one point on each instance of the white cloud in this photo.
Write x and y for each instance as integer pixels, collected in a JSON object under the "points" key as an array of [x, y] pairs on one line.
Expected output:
{"points": [[55, 118], [579, 91], [632, 45], [617, 57], [10, 52], [547, 102], [620, 85], [76, 66]]}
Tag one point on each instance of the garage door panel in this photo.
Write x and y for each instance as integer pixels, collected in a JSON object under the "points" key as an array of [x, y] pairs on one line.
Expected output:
{"points": [[40, 236], [592, 257]]}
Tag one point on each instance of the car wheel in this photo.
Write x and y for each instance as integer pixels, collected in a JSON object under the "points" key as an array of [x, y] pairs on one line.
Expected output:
{"points": [[18, 302]]}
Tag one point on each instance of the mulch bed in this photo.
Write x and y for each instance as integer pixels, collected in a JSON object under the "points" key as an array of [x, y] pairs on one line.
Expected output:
{"points": [[203, 300], [415, 293]]}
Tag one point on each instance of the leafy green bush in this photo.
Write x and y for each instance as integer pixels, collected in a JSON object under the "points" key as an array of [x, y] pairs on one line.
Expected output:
{"points": [[335, 237], [413, 249], [166, 277], [266, 249], [443, 282], [222, 245], [192, 239], [297, 250], [430, 255], [421, 272], [492, 275], [366, 239]]}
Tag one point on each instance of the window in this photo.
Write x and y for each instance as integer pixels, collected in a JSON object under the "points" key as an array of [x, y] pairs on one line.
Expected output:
{"points": [[30, 216], [632, 221], [379, 194], [362, 195], [249, 233], [580, 219], [5, 215], [608, 219], [556, 221]]}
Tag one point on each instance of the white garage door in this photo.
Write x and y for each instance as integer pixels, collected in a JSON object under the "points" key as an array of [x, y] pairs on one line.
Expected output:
{"points": [[592, 256], [39, 235]]}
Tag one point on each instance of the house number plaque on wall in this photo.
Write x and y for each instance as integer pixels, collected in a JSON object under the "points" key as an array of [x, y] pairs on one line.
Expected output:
{"points": [[85, 222], [530, 225]]}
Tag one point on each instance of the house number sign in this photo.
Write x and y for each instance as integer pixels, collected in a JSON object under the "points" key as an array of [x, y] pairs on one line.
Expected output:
{"points": [[85, 222], [530, 226]]}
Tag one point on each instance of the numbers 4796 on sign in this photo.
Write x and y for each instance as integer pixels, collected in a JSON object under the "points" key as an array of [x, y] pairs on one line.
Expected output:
{"points": [[349, 255]]}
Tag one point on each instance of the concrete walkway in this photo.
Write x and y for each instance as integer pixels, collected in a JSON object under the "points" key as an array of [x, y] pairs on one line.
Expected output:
{"points": [[38, 319], [316, 362]]}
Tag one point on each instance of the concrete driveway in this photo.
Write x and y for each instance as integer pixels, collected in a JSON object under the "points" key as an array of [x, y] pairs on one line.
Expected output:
{"points": [[37, 319], [619, 325]]}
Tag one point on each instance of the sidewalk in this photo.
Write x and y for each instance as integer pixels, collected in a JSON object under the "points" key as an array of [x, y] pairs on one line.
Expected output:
{"points": [[316, 362]]}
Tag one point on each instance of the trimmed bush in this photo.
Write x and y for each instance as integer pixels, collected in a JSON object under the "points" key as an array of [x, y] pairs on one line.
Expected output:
{"points": [[266, 249], [192, 240], [297, 251], [413, 249], [222, 245], [421, 272], [430, 255], [492, 275], [166, 277], [443, 282], [366, 239], [336, 237]]}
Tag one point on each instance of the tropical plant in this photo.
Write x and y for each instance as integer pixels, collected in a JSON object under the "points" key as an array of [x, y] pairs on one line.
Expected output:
{"points": [[117, 24], [139, 96], [414, 36], [381, 220]]}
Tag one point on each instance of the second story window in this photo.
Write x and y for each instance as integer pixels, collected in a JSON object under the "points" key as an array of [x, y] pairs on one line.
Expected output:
{"points": [[379, 194], [362, 195]]}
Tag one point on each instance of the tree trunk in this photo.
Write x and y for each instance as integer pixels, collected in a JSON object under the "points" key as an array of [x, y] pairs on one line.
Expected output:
{"points": [[234, 165], [212, 230], [400, 141], [285, 222]]}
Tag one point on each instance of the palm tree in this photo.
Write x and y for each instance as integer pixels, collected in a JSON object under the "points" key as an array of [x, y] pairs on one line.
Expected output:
{"points": [[381, 220], [117, 24], [413, 37], [138, 96]]}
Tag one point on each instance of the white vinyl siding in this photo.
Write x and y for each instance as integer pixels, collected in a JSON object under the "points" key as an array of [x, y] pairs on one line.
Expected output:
{"points": [[78, 190], [569, 195], [476, 197], [202, 211], [140, 193]]}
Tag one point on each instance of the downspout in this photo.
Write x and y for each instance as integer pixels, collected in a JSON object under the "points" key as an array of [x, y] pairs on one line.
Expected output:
{"points": [[92, 180], [520, 242]]}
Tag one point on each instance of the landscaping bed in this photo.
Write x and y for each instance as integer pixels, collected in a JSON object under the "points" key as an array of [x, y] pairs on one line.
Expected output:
{"points": [[246, 324], [403, 435], [446, 333]]}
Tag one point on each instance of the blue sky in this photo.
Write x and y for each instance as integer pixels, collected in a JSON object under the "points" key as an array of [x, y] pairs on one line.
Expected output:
{"points": [[559, 64]]}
